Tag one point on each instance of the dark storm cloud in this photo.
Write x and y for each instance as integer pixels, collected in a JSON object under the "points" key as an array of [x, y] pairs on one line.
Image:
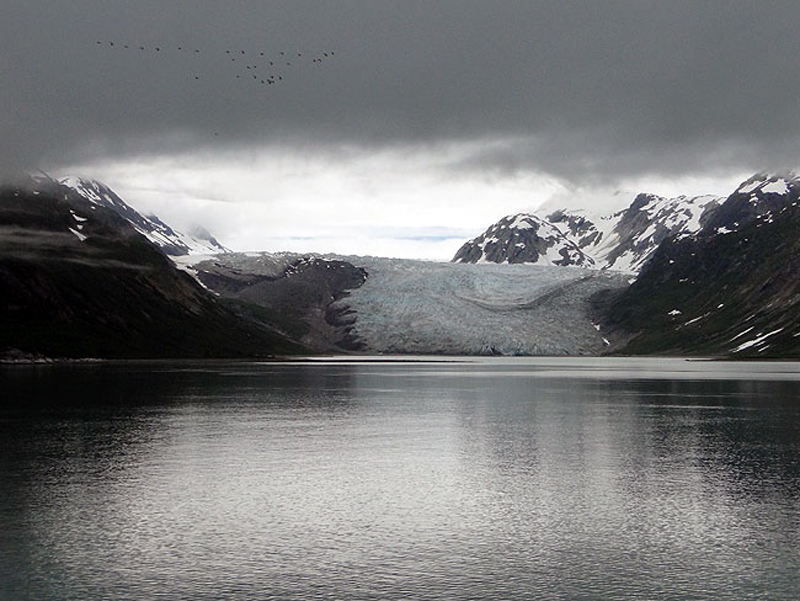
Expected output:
{"points": [[579, 89]]}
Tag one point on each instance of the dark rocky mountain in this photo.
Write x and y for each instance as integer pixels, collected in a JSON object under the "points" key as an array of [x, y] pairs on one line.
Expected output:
{"points": [[731, 289], [291, 293], [169, 240], [78, 280], [523, 238]]}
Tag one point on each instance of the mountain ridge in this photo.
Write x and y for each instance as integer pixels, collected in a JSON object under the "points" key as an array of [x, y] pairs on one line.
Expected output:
{"points": [[172, 242], [621, 241], [78, 280]]}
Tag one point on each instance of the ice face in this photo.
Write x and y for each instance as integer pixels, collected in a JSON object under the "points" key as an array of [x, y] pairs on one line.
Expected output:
{"points": [[455, 308]]}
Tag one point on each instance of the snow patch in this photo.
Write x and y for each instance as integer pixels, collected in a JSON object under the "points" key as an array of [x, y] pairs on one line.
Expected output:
{"points": [[740, 334], [755, 341], [777, 187], [696, 319], [80, 236]]}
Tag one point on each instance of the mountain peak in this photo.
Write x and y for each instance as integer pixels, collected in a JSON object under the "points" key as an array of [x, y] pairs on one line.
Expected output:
{"points": [[169, 240], [523, 238]]}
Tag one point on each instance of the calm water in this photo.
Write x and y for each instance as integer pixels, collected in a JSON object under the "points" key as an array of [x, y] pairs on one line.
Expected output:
{"points": [[498, 479]]}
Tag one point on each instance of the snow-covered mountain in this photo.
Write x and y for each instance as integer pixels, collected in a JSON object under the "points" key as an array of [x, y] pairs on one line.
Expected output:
{"points": [[625, 240], [171, 242], [524, 238], [621, 241]]}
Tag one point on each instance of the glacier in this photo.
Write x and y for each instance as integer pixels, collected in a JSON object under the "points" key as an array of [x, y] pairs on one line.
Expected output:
{"points": [[420, 307]]}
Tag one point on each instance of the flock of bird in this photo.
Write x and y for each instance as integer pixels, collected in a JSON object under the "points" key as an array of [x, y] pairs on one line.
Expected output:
{"points": [[257, 67]]}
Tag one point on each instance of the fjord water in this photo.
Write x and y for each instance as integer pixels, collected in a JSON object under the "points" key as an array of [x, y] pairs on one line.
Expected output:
{"points": [[485, 479]]}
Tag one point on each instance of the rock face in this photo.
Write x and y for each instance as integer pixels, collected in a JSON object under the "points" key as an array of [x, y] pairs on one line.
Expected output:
{"points": [[293, 294], [523, 238], [732, 288], [78, 280]]}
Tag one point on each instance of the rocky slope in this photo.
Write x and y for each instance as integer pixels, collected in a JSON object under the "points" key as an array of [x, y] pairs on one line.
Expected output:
{"points": [[78, 280], [731, 289], [291, 293]]}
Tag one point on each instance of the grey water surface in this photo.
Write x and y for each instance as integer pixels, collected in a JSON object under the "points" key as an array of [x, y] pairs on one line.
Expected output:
{"points": [[476, 479]]}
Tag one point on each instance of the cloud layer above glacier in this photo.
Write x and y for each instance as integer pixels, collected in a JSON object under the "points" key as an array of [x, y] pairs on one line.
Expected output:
{"points": [[458, 108]]}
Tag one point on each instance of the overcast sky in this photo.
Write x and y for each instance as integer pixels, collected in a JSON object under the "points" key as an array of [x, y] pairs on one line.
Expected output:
{"points": [[425, 122]]}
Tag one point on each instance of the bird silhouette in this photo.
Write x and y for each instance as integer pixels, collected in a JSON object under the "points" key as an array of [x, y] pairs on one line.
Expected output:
{"points": [[204, 63]]}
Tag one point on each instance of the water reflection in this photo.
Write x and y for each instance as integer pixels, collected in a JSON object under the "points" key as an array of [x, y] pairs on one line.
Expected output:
{"points": [[367, 481]]}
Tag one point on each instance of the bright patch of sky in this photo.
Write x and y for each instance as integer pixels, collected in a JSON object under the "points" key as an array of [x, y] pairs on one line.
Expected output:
{"points": [[406, 202], [400, 203]]}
